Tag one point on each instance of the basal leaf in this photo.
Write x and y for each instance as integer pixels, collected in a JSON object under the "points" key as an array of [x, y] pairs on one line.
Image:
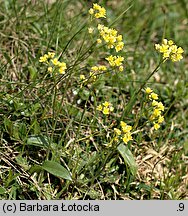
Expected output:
{"points": [[38, 140], [56, 169], [128, 157]]}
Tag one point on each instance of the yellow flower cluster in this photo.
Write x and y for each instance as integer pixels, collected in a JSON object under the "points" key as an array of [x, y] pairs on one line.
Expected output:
{"points": [[157, 108], [170, 50], [95, 70], [106, 108], [47, 57], [97, 11], [124, 133], [111, 37], [116, 61], [53, 62]]}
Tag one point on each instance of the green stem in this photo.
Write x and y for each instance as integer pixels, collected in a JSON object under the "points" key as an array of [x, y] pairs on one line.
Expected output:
{"points": [[134, 97]]}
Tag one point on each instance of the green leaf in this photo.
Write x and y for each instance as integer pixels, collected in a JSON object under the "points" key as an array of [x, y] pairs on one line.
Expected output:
{"points": [[35, 168], [8, 125], [128, 158], [2, 190], [32, 72], [38, 140], [56, 169]]}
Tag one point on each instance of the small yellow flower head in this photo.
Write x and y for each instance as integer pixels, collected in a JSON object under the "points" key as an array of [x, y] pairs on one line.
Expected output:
{"points": [[111, 37], [117, 131], [127, 137], [50, 69], [157, 107], [44, 59], [99, 41], [106, 104], [127, 129], [102, 68], [99, 107], [82, 77], [62, 70], [51, 55], [156, 126], [106, 111], [155, 103], [111, 108], [170, 50], [90, 30], [55, 61], [156, 112], [121, 68], [91, 11], [160, 119], [153, 96], [119, 46], [94, 68], [123, 124], [116, 61], [148, 90], [160, 106], [97, 11], [106, 108], [124, 132]]}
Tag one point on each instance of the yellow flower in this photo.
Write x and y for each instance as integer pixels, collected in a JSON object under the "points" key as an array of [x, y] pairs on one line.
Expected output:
{"points": [[160, 119], [91, 11], [115, 61], [55, 61], [117, 131], [155, 103], [148, 90], [94, 68], [102, 68], [123, 124], [99, 107], [121, 68], [105, 110], [127, 137], [44, 58], [153, 96], [97, 11], [126, 128], [156, 112], [106, 104], [160, 106], [90, 30], [170, 50], [157, 107], [156, 126], [50, 69], [51, 54], [62, 64], [82, 77], [62, 70], [119, 46], [111, 37], [99, 41], [62, 67]]}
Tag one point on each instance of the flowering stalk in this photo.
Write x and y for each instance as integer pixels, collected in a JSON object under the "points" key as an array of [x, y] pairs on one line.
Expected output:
{"points": [[134, 97]]}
